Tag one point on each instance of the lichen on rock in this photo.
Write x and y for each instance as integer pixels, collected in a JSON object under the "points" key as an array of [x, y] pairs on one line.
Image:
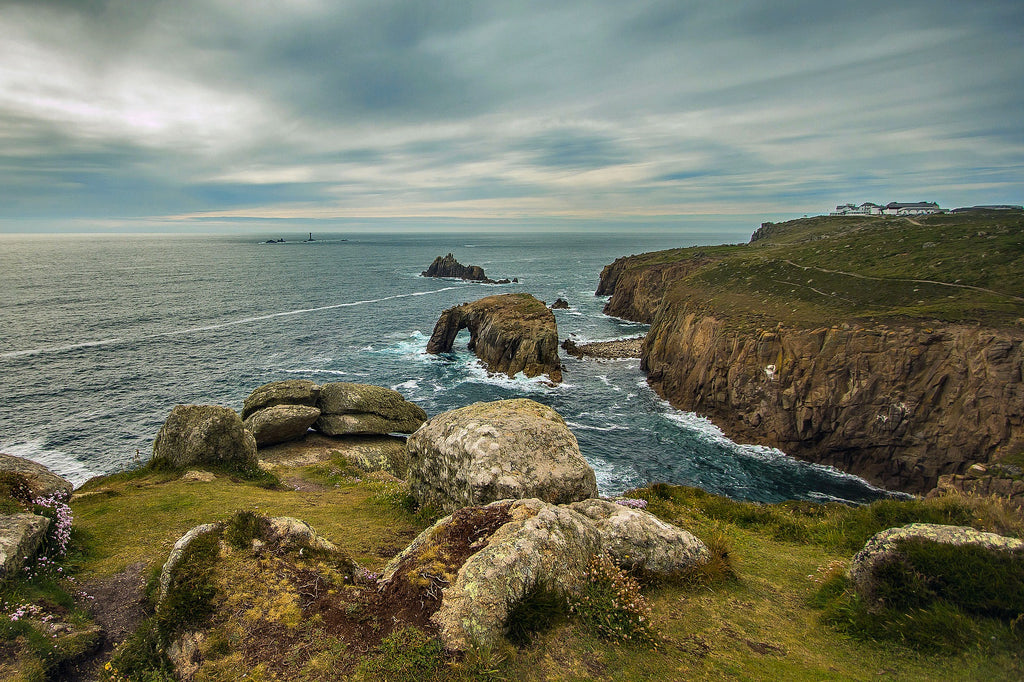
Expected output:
{"points": [[203, 434]]}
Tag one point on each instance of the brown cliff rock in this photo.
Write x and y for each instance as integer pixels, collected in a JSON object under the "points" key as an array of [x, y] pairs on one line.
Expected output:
{"points": [[511, 333], [899, 406]]}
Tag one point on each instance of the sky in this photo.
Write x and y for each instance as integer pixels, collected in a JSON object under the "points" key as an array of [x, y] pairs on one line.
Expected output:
{"points": [[181, 114]]}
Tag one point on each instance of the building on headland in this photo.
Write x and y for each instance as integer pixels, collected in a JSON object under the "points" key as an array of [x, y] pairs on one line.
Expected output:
{"points": [[867, 208], [892, 208]]}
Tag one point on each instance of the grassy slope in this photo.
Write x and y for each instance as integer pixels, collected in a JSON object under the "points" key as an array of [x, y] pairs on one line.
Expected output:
{"points": [[783, 277], [758, 627]]}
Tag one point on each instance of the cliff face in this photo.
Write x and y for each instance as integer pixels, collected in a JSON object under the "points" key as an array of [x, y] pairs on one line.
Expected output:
{"points": [[511, 333], [899, 406], [636, 291]]}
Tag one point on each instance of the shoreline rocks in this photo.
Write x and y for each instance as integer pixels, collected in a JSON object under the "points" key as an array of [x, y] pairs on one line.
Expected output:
{"points": [[616, 349], [510, 333]]}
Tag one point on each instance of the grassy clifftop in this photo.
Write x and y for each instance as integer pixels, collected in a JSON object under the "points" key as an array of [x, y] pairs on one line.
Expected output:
{"points": [[962, 267]]}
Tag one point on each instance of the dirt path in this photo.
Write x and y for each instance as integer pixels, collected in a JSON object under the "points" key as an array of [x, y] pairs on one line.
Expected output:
{"points": [[897, 279]]}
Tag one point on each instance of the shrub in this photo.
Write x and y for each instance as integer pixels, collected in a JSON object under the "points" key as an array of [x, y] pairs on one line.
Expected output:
{"points": [[408, 653], [609, 603]]}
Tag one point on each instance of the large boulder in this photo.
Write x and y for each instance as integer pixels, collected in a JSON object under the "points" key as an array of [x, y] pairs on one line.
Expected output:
{"points": [[280, 423], [508, 449], [41, 481], [20, 538], [203, 434], [885, 546], [510, 333], [490, 558], [290, 392], [351, 409], [641, 542]]}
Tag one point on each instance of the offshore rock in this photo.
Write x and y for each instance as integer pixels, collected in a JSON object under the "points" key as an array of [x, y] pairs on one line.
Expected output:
{"points": [[448, 266], [290, 392], [351, 409], [203, 434], [281, 423], [884, 546], [507, 449], [41, 481], [510, 333], [640, 542]]}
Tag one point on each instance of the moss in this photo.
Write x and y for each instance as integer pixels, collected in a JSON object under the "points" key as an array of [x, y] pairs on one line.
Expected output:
{"points": [[192, 589], [244, 527], [406, 654]]}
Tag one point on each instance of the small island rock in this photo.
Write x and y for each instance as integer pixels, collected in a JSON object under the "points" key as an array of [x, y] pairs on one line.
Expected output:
{"points": [[510, 333], [508, 449], [198, 434]]}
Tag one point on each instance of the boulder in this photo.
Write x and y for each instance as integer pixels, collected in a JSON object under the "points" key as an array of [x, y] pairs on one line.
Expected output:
{"points": [[510, 333], [41, 481], [178, 552], [508, 449], [290, 392], [20, 538], [560, 304], [534, 544], [203, 434], [884, 546], [280, 423], [350, 409], [640, 542]]}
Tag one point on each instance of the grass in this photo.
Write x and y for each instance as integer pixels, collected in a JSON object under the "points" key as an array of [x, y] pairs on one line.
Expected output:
{"points": [[772, 605], [834, 270]]}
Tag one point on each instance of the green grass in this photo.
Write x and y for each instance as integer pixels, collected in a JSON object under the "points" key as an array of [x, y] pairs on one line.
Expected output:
{"points": [[785, 276], [772, 609]]}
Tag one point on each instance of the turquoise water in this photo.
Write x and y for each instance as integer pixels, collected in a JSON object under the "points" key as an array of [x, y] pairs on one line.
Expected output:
{"points": [[102, 336]]}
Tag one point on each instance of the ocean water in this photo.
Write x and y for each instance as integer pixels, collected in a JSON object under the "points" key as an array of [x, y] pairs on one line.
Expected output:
{"points": [[101, 336]]}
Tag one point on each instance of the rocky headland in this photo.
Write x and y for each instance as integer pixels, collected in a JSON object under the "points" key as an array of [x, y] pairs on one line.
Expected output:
{"points": [[448, 266], [888, 348], [510, 333]]}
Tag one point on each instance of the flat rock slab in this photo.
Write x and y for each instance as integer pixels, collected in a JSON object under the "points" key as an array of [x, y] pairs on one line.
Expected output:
{"points": [[20, 537], [290, 392], [369, 453], [41, 480], [354, 409]]}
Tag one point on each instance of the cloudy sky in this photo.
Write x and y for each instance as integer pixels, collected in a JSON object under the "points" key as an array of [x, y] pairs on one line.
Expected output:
{"points": [[348, 114]]}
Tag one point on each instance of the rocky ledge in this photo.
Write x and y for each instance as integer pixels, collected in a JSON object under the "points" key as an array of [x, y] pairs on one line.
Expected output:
{"points": [[448, 266], [510, 333]]}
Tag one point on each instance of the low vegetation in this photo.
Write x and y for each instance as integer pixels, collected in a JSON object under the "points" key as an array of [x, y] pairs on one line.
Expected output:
{"points": [[773, 603], [961, 267]]}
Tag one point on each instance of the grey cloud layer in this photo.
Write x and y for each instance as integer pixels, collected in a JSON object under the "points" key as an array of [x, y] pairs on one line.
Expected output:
{"points": [[315, 109]]}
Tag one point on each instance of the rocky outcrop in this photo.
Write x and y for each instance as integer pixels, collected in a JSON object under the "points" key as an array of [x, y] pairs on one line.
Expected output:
{"points": [[510, 333], [280, 423], [1006, 482], [898, 405], [508, 449], [885, 546], [616, 349], [637, 287], [41, 481], [641, 542], [447, 266], [20, 538], [359, 409], [488, 559], [560, 304], [290, 392], [203, 434]]}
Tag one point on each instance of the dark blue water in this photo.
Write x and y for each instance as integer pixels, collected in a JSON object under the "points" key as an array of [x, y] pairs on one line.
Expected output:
{"points": [[101, 336]]}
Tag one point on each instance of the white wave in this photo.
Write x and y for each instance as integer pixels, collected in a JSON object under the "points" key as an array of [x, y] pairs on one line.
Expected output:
{"points": [[218, 325], [410, 385], [335, 372], [477, 373], [587, 427], [61, 349], [60, 463]]}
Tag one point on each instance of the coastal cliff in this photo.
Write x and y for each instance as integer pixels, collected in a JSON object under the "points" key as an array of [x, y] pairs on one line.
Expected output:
{"points": [[511, 333], [779, 346]]}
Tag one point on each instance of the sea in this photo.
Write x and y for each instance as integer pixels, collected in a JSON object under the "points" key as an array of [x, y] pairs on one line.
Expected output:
{"points": [[102, 335]]}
